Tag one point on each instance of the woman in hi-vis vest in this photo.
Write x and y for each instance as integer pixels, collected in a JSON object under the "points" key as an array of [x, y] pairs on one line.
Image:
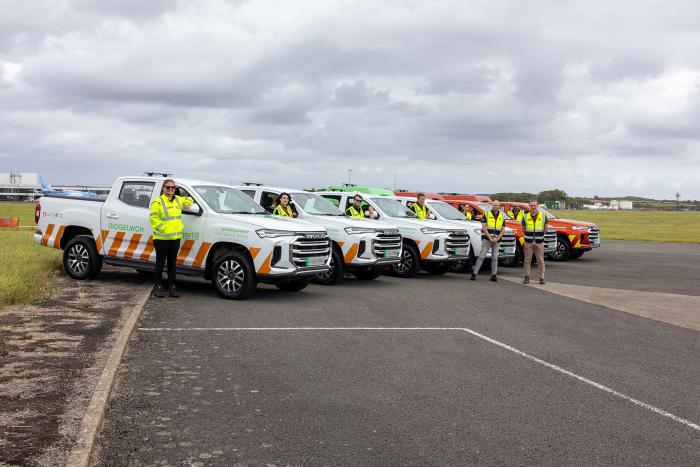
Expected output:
{"points": [[283, 206]]}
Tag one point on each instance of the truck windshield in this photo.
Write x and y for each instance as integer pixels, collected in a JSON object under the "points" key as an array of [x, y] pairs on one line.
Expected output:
{"points": [[315, 205], [225, 200], [447, 211], [393, 208]]}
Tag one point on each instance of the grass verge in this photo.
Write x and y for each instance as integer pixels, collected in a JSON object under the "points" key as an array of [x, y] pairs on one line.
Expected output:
{"points": [[646, 226]]}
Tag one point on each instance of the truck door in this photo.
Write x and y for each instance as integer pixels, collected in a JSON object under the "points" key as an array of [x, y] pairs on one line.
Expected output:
{"points": [[193, 247], [125, 221]]}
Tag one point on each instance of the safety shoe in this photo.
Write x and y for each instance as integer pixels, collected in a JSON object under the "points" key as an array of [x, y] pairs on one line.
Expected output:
{"points": [[158, 291], [494, 278], [542, 281], [172, 291], [473, 277], [526, 280]]}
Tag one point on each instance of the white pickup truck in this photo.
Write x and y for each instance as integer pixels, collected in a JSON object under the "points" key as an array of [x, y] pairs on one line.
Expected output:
{"points": [[363, 247], [227, 238], [428, 244]]}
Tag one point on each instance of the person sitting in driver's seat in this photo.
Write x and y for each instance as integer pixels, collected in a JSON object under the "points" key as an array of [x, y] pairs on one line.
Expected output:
{"points": [[419, 207], [355, 209], [283, 206]]}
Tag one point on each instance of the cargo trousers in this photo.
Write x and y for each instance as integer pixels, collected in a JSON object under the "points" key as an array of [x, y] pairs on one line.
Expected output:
{"points": [[486, 245], [536, 249]]}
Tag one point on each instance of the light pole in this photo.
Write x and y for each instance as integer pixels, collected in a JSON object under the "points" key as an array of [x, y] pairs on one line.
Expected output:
{"points": [[349, 175], [678, 200]]}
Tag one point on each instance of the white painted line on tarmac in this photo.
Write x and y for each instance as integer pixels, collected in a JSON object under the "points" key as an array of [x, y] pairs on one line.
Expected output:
{"points": [[500, 344]]}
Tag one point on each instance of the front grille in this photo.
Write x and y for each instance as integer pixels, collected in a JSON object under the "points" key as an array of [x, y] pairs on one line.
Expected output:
{"points": [[594, 236], [308, 252], [386, 245], [507, 246], [550, 240], [457, 243]]}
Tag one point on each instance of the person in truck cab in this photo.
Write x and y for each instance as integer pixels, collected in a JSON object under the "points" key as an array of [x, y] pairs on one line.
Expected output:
{"points": [[516, 213], [355, 209], [283, 206], [534, 226], [372, 213], [468, 211], [492, 229], [166, 222], [420, 208]]}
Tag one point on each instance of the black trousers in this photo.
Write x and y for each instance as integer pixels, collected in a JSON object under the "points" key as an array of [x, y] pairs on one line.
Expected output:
{"points": [[165, 250]]}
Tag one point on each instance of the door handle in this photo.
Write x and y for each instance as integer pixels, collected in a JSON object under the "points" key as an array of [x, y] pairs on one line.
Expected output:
{"points": [[112, 215]]}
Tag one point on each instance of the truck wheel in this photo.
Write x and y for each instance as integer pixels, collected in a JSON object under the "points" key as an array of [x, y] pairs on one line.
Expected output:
{"points": [[233, 275], [410, 262], [294, 285], [437, 269], [368, 274], [576, 254], [563, 250], [80, 258], [335, 273]]}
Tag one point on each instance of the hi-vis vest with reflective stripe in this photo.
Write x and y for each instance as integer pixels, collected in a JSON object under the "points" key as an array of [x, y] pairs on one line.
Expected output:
{"points": [[166, 217], [421, 212], [494, 224], [468, 215], [518, 217], [352, 211], [282, 211], [534, 228]]}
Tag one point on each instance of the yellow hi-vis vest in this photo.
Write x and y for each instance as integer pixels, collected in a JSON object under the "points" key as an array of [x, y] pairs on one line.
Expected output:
{"points": [[421, 212], [282, 211], [494, 224], [166, 217], [352, 211], [468, 215], [534, 228], [518, 217]]}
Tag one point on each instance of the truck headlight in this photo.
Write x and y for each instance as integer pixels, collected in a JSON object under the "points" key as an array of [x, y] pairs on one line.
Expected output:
{"points": [[272, 233], [579, 227], [359, 230], [432, 231]]}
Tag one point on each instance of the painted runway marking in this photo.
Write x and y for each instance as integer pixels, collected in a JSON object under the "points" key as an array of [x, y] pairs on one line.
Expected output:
{"points": [[500, 344]]}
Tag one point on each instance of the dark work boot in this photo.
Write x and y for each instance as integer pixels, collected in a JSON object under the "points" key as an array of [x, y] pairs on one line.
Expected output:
{"points": [[173, 292], [158, 291], [473, 277], [526, 280], [494, 278], [542, 281]]}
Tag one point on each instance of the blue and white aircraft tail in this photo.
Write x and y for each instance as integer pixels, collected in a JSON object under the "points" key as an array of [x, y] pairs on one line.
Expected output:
{"points": [[47, 189]]}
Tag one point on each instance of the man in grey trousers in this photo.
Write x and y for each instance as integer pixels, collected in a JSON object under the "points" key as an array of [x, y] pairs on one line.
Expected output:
{"points": [[492, 229]]}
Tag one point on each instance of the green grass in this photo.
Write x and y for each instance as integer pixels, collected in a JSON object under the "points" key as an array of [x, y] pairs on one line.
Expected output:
{"points": [[647, 226], [26, 268]]}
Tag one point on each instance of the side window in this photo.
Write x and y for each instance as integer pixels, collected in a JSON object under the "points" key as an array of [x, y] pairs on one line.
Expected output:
{"points": [[137, 194], [184, 193], [333, 199], [250, 193], [267, 200], [351, 201]]}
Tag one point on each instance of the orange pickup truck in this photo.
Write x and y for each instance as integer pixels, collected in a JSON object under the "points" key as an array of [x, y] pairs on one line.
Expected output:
{"points": [[574, 238], [480, 207]]}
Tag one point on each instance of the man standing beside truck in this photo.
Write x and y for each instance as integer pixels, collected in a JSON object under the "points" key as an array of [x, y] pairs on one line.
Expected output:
{"points": [[492, 229], [166, 222], [420, 208], [516, 213], [534, 226]]}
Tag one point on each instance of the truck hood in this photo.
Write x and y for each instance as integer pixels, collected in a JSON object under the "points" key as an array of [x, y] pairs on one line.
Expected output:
{"points": [[420, 223], [569, 223], [340, 222], [273, 222]]}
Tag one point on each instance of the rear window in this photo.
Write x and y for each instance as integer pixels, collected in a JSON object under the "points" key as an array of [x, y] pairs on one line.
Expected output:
{"points": [[137, 194]]}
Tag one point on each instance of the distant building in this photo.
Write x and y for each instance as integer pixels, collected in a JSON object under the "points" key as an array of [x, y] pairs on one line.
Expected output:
{"points": [[555, 204], [23, 186], [621, 204]]}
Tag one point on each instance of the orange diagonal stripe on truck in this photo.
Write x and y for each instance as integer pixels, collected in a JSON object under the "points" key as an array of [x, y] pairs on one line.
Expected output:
{"points": [[114, 249], [201, 255], [265, 268], [184, 251], [59, 234], [47, 235], [133, 244], [254, 251], [427, 250], [352, 252], [146, 254]]}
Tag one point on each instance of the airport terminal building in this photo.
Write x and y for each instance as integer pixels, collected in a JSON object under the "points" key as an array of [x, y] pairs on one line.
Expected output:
{"points": [[23, 186]]}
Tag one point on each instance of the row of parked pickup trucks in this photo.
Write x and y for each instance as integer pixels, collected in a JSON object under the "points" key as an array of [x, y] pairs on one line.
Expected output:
{"points": [[231, 239]]}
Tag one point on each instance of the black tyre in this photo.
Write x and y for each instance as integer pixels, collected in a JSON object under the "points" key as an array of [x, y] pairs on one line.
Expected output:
{"points": [[233, 275], [368, 274], [563, 250], [410, 262], [576, 254], [437, 269], [80, 258], [336, 272], [294, 285]]}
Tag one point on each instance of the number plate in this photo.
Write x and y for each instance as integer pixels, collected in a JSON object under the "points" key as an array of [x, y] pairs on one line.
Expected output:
{"points": [[391, 253], [315, 260], [460, 251]]}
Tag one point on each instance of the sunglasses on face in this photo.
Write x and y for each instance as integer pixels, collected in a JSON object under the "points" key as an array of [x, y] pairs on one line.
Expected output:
{"points": [[169, 187]]}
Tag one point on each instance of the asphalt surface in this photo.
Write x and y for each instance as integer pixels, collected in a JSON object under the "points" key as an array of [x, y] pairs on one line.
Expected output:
{"points": [[193, 391]]}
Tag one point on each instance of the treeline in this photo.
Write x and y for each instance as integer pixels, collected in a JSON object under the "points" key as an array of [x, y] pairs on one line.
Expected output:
{"points": [[575, 202]]}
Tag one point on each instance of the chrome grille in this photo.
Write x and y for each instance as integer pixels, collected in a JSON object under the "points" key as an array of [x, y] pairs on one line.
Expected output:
{"points": [[550, 241], [387, 244], [310, 252], [594, 236], [507, 246], [457, 243]]}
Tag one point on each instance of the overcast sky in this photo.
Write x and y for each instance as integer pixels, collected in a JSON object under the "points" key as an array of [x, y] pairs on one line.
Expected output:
{"points": [[594, 97]]}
